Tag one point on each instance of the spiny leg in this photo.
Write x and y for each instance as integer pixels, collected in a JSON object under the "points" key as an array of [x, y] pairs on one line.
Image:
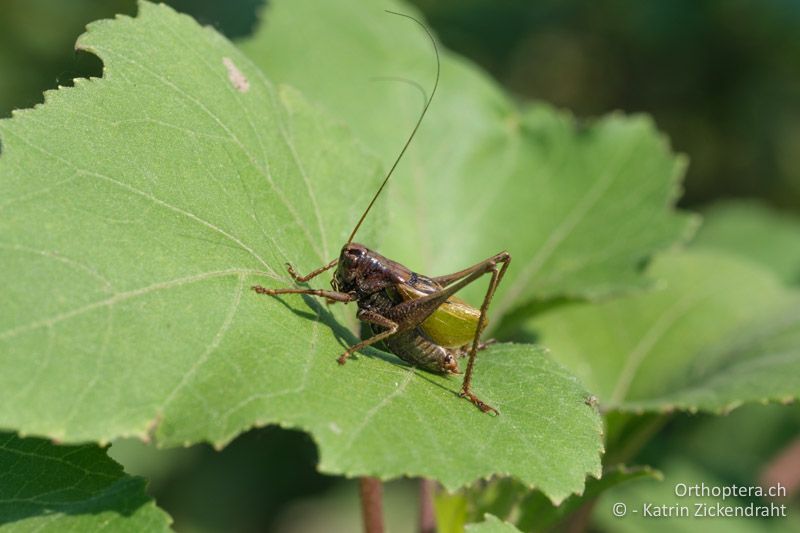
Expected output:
{"points": [[373, 318], [414, 312], [363, 315], [335, 296], [420, 308], [466, 385], [330, 295], [312, 274], [485, 344], [464, 350], [447, 279]]}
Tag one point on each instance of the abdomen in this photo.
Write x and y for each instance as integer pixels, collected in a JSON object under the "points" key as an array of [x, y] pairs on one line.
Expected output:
{"points": [[414, 347]]}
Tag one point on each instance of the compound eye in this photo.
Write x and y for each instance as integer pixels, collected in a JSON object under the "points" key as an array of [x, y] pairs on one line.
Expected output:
{"points": [[355, 252]]}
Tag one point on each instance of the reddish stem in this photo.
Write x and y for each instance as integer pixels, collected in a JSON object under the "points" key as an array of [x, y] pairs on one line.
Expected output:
{"points": [[371, 492], [427, 517]]}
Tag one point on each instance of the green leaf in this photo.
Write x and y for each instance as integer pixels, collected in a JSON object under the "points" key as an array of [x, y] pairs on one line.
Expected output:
{"points": [[46, 487], [36, 49], [138, 209], [771, 431], [760, 363], [579, 207], [537, 513], [498, 497], [718, 333], [452, 511], [491, 524], [756, 232], [528, 510]]}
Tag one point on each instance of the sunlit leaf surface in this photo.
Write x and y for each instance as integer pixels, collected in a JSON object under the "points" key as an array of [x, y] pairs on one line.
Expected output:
{"points": [[138, 210]]}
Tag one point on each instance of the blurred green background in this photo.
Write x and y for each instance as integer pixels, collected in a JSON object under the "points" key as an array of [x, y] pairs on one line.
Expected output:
{"points": [[721, 79]]}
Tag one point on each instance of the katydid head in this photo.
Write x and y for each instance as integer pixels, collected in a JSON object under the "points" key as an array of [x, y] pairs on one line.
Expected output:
{"points": [[410, 137], [349, 267], [362, 272]]}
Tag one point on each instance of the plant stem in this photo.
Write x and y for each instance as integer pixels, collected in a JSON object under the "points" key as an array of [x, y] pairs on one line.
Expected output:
{"points": [[371, 492], [427, 518]]}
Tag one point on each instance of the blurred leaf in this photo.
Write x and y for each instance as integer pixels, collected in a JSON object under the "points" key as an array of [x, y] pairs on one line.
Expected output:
{"points": [[339, 510], [498, 497], [139, 208], [36, 46], [529, 510], [491, 524], [37, 40], [759, 431], [70, 488], [760, 363], [244, 487], [754, 231], [580, 208], [636, 496], [452, 511], [537, 513], [719, 333]]}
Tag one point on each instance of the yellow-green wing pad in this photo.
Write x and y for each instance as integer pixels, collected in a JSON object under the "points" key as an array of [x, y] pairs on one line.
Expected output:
{"points": [[452, 325]]}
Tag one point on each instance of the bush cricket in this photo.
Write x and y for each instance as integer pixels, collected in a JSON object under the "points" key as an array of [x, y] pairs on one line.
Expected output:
{"points": [[417, 317]]}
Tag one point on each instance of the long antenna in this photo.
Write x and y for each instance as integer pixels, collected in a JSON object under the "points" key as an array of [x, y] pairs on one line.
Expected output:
{"points": [[413, 132]]}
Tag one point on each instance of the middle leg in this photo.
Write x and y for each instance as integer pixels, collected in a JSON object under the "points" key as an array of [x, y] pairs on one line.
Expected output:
{"points": [[370, 317]]}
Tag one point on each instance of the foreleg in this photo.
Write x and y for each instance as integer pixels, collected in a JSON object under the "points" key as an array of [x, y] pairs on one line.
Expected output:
{"points": [[330, 295], [312, 274]]}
